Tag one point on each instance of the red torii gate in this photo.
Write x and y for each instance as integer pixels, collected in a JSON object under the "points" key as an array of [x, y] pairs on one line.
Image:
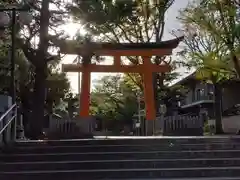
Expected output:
{"points": [[145, 50]]}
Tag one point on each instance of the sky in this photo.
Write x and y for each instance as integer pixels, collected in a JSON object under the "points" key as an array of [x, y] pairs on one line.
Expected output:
{"points": [[171, 24]]}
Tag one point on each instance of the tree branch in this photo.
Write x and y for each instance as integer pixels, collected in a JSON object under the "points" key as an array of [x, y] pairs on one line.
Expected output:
{"points": [[29, 52], [124, 33]]}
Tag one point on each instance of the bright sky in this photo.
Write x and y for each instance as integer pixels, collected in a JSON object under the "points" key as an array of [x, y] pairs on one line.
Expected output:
{"points": [[171, 24]]}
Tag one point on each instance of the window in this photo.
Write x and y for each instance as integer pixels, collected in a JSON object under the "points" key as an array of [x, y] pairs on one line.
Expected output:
{"points": [[210, 91], [210, 88], [198, 94]]}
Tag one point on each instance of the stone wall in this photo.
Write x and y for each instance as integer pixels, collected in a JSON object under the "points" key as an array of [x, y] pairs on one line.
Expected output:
{"points": [[230, 124], [230, 96]]}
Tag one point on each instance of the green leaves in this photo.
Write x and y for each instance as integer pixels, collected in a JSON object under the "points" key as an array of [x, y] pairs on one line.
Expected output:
{"points": [[98, 15], [203, 74], [214, 44], [113, 99], [214, 69], [58, 86]]}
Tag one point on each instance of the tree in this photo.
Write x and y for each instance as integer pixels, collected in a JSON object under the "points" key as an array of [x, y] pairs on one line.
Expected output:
{"points": [[207, 53], [216, 77], [40, 63], [58, 84], [138, 21], [43, 27], [220, 20], [58, 87], [171, 96], [114, 101]]}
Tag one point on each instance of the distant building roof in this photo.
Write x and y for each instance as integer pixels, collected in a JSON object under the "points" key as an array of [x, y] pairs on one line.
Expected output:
{"points": [[182, 81], [192, 77]]}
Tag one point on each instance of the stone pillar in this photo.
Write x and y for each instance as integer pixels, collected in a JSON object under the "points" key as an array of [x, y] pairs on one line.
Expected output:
{"points": [[203, 118], [149, 127], [20, 127], [162, 111]]}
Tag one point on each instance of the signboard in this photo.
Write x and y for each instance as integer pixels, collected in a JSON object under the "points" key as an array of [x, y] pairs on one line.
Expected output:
{"points": [[138, 125], [162, 109]]}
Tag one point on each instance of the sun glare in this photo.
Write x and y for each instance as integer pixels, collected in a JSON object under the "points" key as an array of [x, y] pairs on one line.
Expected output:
{"points": [[71, 29]]}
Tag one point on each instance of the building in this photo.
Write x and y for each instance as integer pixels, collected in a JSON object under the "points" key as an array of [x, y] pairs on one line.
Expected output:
{"points": [[200, 97]]}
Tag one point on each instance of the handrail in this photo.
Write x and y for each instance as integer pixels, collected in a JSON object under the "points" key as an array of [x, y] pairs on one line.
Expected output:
{"points": [[13, 117], [7, 112], [4, 115]]}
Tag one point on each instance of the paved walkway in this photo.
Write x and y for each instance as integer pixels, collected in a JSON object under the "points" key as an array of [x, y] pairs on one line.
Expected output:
{"points": [[167, 137], [143, 137]]}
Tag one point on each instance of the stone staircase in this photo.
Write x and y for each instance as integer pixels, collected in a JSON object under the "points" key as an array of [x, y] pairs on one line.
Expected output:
{"points": [[216, 158]]}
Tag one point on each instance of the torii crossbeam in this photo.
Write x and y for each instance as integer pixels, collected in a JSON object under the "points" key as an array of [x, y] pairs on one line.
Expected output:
{"points": [[145, 50]]}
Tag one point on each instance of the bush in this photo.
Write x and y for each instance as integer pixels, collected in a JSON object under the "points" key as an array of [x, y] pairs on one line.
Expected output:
{"points": [[209, 129]]}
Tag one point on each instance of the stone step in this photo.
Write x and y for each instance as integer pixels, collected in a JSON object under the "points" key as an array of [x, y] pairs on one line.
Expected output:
{"points": [[150, 173], [218, 178], [134, 155], [120, 164], [134, 140], [125, 148], [179, 158]]}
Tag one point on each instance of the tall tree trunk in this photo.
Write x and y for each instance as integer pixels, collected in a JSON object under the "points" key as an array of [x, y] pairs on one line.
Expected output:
{"points": [[40, 64], [37, 117], [25, 97], [236, 64], [218, 108]]}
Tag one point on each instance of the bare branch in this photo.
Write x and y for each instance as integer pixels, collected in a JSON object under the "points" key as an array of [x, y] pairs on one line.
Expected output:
{"points": [[125, 33], [29, 52]]}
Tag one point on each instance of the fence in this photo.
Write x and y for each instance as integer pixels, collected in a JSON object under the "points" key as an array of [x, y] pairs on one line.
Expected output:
{"points": [[67, 126], [62, 125], [180, 125]]}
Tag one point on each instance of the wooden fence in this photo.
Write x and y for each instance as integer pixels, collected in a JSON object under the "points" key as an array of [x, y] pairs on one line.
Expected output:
{"points": [[68, 126], [180, 125], [62, 125]]}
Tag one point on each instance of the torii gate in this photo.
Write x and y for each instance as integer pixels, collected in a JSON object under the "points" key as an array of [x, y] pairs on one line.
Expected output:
{"points": [[145, 50]]}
